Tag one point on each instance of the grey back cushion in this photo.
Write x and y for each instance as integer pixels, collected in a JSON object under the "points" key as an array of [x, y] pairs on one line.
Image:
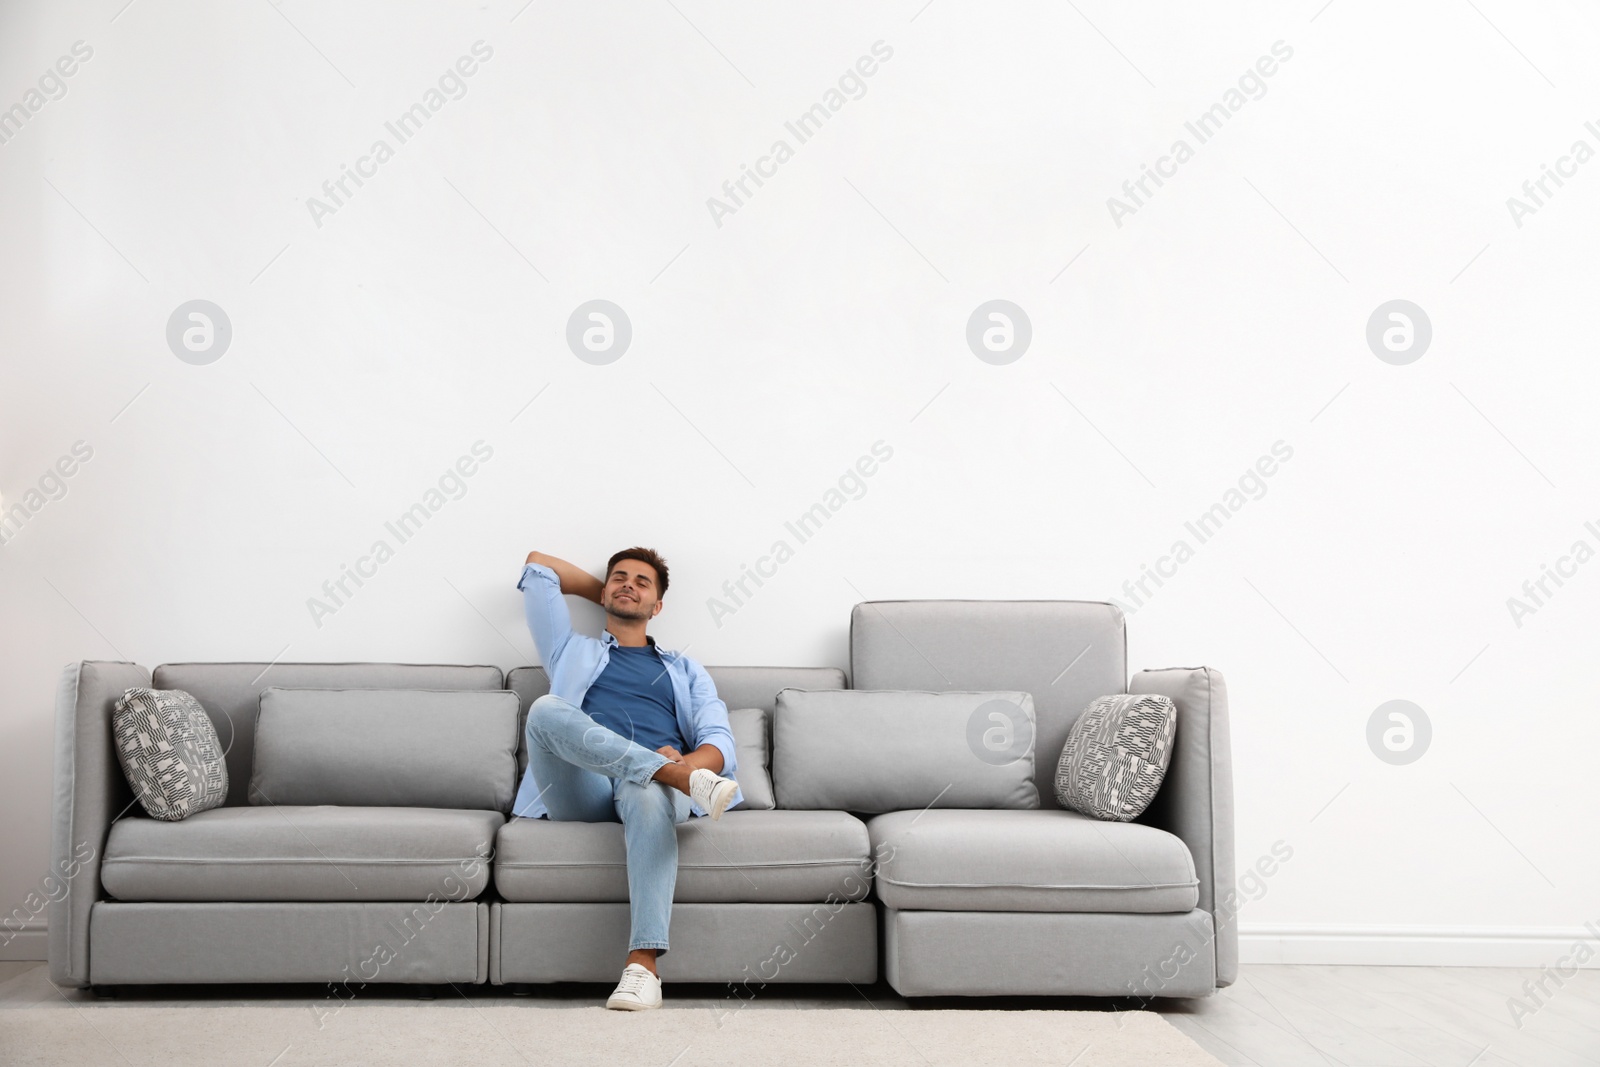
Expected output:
{"points": [[386, 747], [1065, 652], [749, 727], [874, 751], [231, 694]]}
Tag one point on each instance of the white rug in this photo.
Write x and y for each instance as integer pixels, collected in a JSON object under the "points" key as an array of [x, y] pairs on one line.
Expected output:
{"points": [[39, 1025]]}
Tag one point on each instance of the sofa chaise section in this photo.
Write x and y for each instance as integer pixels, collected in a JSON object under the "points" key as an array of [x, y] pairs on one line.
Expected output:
{"points": [[1047, 901]]}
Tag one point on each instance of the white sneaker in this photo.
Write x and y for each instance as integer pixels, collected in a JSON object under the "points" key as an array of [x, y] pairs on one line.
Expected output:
{"points": [[711, 791], [638, 990]]}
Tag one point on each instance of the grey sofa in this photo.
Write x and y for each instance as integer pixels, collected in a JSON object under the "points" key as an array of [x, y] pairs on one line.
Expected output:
{"points": [[942, 901]]}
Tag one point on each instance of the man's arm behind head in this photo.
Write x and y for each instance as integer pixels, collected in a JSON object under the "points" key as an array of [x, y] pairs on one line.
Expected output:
{"points": [[574, 580]]}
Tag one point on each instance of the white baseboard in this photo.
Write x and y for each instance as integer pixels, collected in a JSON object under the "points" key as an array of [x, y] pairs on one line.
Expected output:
{"points": [[1419, 946], [29, 943]]}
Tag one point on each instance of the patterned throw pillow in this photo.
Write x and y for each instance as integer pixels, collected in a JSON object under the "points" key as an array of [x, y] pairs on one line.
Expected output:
{"points": [[169, 752], [1116, 755]]}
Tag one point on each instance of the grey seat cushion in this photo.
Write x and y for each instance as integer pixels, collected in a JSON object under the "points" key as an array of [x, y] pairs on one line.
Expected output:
{"points": [[302, 854], [1040, 860], [745, 857], [402, 747]]}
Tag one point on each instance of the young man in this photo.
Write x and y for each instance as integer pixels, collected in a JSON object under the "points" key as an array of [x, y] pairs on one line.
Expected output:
{"points": [[608, 743]]}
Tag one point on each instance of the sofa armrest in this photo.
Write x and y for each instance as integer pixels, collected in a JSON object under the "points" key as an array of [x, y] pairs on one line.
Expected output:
{"points": [[1195, 801], [90, 793]]}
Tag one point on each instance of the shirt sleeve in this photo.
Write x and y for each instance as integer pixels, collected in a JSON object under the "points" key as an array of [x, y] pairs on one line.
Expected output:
{"points": [[549, 621], [710, 718]]}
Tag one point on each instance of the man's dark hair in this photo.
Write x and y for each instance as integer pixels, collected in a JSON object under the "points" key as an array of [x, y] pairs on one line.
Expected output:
{"points": [[643, 555]]}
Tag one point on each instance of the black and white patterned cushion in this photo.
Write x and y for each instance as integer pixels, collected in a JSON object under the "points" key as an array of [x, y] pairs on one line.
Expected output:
{"points": [[169, 752], [1116, 755]]}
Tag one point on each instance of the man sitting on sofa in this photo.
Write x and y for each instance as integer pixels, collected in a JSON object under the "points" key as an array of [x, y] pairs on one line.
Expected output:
{"points": [[606, 743]]}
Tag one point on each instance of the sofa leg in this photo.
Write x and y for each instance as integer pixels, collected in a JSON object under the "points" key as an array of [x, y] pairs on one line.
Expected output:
{"points": [[104, 992], [425, 992]]}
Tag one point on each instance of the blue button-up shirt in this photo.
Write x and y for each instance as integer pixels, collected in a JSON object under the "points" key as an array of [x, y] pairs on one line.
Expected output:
{"points": [[573, 662]]}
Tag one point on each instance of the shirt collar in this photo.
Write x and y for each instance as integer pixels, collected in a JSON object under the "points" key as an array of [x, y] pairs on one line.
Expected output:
{"points": [[609, 639]]}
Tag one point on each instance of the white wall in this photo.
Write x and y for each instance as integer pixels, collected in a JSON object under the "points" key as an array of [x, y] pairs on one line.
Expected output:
{"points": [[829, 312]]}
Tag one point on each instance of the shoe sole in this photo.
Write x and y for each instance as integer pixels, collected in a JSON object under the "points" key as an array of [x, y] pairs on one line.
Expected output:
{"points": [[720, 798], [630, 1006]]}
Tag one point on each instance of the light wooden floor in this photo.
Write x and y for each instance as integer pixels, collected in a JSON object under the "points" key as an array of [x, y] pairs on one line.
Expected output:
{"points": [[1274, 1016], [1394, 1017]]}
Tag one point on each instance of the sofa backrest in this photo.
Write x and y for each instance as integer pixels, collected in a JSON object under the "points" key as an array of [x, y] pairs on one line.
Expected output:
{"points": [[739, 687], [1065, 652], [231, 693]]}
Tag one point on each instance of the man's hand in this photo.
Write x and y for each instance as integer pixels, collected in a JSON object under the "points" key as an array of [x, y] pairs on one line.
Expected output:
{"points": [[708, 756], [679, 771]]}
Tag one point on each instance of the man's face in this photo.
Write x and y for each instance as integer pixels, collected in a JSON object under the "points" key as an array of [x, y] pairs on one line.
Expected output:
{"points": [[630, 591]]}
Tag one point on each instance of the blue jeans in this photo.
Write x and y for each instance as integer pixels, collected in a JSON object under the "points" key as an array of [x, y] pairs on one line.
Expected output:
{"points": [[590, 773]]}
